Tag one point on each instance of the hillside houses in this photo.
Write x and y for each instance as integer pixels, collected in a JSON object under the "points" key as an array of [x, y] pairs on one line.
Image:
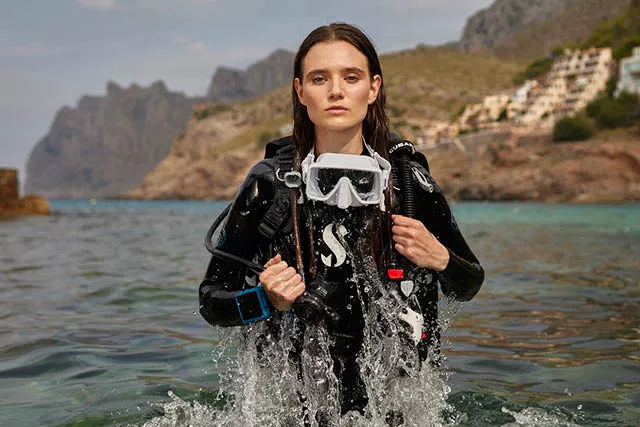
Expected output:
{"points": [[575, 79]]}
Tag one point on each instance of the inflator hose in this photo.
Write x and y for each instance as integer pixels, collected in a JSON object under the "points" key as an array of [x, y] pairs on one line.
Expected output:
{"points": [[256, 268], [402, 151], [408, 207]]}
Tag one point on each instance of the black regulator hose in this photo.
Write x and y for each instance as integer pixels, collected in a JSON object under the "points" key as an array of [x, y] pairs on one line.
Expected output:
{"points": [[402, 152], [256, 268]]}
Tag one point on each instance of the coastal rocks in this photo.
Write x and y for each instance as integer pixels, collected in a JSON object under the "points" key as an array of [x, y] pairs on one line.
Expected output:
{"points": [[12, 204], [536, 169]]}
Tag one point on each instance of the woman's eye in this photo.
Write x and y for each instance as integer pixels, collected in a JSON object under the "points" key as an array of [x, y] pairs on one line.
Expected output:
{"points": [[318, 79], [352, 79]]}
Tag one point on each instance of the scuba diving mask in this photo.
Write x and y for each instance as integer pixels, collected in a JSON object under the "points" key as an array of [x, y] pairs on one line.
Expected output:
{"points": [[346, 180]]}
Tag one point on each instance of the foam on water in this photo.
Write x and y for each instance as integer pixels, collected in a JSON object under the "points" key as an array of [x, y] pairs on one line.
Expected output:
{"points": [[536, 417]]}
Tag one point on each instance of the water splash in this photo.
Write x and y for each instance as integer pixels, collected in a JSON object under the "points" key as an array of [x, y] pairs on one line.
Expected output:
{"points": [[265, 381]]}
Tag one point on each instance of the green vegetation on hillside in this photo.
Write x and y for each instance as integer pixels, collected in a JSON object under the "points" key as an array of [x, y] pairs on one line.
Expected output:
{"points": [[576, 128], [606, 112], [260, 133], [621, 34], [210, 110], [610, 113], [537, 68]]}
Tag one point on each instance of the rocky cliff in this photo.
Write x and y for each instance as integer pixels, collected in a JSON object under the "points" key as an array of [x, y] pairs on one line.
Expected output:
{"points": [[533, 28], [219, 145], [569, 27], [106, 145], [271, 73]]}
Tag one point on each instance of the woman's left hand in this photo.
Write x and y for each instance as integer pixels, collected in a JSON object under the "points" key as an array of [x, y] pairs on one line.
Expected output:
{"points": [[417, 244]]}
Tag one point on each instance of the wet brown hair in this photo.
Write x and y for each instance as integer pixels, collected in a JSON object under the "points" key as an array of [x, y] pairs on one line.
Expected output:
{"points": [[375, 127]]}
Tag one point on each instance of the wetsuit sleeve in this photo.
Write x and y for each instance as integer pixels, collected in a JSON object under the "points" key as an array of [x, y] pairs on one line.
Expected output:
{"points": [[239, 236], [463, 276]]}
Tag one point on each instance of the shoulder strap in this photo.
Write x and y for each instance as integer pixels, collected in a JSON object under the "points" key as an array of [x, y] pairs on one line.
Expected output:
{"points": [[277, 215], [272, 148]]}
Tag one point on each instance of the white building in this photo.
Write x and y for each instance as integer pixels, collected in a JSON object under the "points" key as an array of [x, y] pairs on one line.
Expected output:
{"points": [[522, 94], [542, 102], [586, 75], [575, 79], [483, 115], [630, 73]]}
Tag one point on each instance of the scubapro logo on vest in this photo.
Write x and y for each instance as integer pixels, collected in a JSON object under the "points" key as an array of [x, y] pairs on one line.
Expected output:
{"points": [[339, 252]]}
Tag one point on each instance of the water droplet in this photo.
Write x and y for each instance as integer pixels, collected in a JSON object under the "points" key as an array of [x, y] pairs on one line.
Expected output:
{"points": [[579, 407]]}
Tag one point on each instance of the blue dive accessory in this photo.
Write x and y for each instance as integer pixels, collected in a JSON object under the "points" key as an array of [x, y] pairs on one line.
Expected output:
{"points": [[253, 305]]}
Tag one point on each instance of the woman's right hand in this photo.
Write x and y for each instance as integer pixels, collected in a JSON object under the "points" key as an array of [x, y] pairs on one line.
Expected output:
{"points": [[282, 284]]}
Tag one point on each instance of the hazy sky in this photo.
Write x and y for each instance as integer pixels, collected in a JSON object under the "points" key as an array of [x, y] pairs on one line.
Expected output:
{"points": [[54, 51]]}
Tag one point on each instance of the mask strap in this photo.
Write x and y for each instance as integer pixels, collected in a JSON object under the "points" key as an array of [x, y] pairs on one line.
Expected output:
{"points": [[306, 163], [385, 167]]}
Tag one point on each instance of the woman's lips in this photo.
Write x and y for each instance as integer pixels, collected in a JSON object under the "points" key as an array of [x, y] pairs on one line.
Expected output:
{"points": [[336, 110]]}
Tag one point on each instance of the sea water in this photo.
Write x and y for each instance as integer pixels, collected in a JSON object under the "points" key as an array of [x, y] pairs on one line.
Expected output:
{"points": [[100, 326]]}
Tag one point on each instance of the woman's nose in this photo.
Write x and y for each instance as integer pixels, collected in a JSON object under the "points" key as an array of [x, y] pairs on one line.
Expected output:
{"points": [[336, 90]]}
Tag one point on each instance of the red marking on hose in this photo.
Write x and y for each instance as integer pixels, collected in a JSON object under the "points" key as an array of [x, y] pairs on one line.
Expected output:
{"points": [[395, 273]]}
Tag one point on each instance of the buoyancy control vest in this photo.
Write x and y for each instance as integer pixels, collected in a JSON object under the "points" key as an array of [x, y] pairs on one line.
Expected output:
{"points": [[258, 229]]}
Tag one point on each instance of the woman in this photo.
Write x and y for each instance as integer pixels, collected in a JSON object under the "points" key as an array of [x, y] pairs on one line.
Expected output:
{"points": [[331, 242]]}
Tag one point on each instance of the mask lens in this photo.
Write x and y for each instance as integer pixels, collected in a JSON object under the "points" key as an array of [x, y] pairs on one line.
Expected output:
{"points": [[362, 181], [327, 179]]}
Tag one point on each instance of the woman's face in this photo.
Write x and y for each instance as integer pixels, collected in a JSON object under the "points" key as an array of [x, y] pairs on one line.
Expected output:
{"points": [[336, 87]]}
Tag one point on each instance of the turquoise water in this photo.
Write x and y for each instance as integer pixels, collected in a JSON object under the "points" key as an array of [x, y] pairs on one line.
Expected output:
{"points": [[97, 306]]}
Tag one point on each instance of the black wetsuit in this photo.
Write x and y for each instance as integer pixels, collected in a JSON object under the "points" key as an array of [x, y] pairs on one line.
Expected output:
{"points": [[341, 238]]}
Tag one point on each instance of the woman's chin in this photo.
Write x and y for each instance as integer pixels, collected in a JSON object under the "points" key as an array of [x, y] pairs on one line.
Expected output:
{"points": [[338, 125]]}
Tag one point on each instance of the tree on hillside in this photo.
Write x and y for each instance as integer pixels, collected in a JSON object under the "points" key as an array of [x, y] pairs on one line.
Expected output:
{"points": [[610, 113], [621, 34], [576, 128]]}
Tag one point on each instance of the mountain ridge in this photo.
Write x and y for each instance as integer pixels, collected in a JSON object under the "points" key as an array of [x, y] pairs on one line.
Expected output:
{"points": [[533, 28]]}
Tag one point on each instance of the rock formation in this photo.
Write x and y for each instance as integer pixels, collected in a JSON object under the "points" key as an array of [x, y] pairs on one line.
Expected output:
{"points": [[569, 27], [106, 145], [531, 167], [271, 73], [534, 27], [12, 204], [212, 156]]}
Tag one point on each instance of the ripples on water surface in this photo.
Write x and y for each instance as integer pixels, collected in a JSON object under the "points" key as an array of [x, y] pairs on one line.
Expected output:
{"points": [[97, 306]]}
